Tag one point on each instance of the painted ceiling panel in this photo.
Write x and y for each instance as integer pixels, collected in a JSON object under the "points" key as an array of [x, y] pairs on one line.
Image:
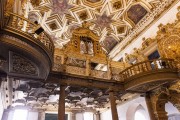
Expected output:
{"points": [[107, 17]]}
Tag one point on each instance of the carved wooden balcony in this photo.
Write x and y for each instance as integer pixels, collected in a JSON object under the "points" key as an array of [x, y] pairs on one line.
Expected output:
{"points": [[23, 27], [33, 46], [147, 75], [83, 67]]}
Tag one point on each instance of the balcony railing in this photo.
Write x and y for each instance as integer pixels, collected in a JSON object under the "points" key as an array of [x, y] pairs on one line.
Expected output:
{"points": [[147, 66], [26, 27]]}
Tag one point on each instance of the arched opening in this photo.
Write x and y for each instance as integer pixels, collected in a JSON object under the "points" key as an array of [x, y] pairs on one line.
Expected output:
{"points": [[136, 112], [140, 113], [172, 111]]}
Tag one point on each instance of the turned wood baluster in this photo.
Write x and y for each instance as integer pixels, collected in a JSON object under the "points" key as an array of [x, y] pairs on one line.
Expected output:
{"points": [[149, 67], [20, 23], [27, 27], [14, 21], [155, 64]]}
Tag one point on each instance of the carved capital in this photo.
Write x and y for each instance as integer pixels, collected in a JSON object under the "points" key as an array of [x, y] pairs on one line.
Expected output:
{"points": [[175, 87]]}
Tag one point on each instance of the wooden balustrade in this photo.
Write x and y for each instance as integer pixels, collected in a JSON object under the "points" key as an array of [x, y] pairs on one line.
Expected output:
{"points": [[147, 66], [24, 25], [118, 75]]}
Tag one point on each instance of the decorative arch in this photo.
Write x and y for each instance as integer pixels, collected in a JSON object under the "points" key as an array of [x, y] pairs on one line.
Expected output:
{"points": [[161, 99], [140, 111], [130, 114]]}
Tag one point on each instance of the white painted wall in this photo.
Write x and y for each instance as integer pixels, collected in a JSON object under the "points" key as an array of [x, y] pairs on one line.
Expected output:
{"points": [[127, 109], [32, 116], [79, 116], [170, 109]]}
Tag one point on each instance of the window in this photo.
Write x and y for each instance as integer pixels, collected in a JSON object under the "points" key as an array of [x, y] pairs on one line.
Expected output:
{"points": [[88, 116], [154, 55], [20, 114]]}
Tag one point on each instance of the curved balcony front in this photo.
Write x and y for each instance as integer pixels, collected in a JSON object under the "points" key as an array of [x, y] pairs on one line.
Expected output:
{"points": [[148, 75], [27, 40]]}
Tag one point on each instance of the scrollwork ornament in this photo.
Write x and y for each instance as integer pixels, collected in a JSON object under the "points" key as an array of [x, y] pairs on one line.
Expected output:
{"points": [[175, 87], [22, 66], [168, 38]]}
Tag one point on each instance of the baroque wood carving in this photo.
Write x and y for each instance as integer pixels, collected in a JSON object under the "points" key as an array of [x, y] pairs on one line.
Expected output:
{"points": [[21, 65]]}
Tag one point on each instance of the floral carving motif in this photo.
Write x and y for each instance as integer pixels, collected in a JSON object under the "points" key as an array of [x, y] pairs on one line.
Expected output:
{"points": [[75, 70], [99, 74], [22, 65]]}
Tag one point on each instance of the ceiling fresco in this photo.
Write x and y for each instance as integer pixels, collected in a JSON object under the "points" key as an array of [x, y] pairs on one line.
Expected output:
{"points": [[136, 13], [108, 18]]}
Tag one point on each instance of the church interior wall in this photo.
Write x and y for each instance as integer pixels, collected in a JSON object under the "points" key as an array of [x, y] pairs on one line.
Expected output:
{"points": [[124, 108]]}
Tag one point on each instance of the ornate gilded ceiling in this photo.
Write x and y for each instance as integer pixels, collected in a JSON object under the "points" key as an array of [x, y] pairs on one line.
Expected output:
{"points": [[112, 20]]}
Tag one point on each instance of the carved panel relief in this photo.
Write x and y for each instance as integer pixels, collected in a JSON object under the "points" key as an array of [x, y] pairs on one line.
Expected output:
{"points": [[22, 65]]}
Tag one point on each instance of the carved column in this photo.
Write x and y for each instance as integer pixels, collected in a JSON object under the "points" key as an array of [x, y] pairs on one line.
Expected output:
{"points": [[61, 109], [149, 106], [161, 113], [113, 106]]}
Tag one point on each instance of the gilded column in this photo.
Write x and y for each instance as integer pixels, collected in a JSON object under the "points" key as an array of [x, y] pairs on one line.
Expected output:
{"points": [[161, 113], [113, 106], [61, 109], [149, 106]]}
